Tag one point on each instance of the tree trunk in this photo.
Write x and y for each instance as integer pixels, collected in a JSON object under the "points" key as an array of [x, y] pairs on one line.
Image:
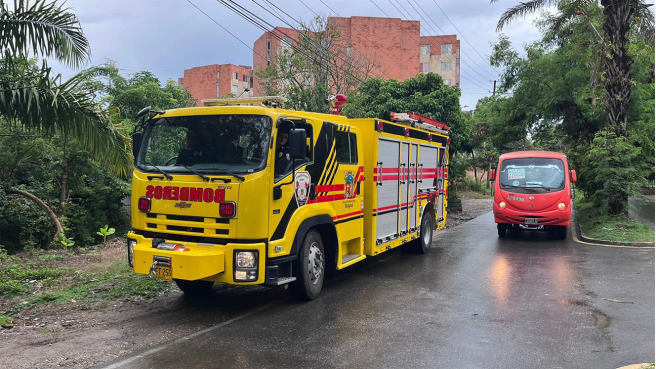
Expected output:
{"points": [[42, 205], [618, 15], [474, 164]]}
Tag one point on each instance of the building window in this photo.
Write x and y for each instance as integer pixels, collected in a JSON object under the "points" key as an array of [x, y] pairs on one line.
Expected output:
{"points": [[235, 89], [245, 78], [424, 50], [447, 82], [447, 66], [235, 75], [286, 43], [425, 67], [268, 52], [447, 49], [218, 83], [348, 51], [182, 86]]}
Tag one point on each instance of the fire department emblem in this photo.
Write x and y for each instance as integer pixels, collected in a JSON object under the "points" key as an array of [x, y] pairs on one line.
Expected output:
{"points": [[302, 187], [349, 185]]}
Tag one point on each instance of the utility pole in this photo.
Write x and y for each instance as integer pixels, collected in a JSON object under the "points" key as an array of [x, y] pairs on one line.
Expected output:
{"points": [[494, 92]]}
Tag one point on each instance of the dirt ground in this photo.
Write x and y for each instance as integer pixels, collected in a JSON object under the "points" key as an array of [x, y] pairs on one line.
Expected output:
{"points": [[52, 336]]}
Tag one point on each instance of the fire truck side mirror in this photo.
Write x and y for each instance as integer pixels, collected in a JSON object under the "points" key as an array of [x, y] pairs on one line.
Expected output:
{"points": [[493, 174], [572, 175], [297, 143], [136, 144]]}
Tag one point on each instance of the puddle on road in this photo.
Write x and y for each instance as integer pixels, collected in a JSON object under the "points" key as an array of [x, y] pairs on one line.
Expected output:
{"points": [[602, 321]]}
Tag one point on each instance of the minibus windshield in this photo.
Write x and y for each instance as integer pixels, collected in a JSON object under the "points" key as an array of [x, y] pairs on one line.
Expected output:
{"points": [[532, 175]]}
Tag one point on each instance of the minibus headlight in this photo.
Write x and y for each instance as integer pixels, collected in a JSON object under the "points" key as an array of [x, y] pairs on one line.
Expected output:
{"points": [[502, 205], [562, 206]]}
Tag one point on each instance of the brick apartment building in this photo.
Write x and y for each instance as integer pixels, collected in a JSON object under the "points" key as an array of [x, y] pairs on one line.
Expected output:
{"points": [[212, 81], [394, 46]]}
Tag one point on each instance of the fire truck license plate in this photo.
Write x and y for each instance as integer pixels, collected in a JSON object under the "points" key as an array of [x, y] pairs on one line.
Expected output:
{"points": [[163, 272], [530, 221]]}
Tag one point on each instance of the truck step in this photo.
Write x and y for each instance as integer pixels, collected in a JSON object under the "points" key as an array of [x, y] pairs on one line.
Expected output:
{"points": [[348, 257], [285, 280]]}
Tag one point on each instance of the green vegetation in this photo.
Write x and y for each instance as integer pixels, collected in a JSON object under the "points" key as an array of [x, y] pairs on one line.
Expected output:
{"points": [[597, 224], [476, 195], [6, 321], [24, 284]]}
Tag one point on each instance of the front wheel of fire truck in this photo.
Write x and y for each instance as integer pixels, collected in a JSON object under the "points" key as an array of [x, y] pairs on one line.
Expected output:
{"points": [[310, 267], [194, 288]]}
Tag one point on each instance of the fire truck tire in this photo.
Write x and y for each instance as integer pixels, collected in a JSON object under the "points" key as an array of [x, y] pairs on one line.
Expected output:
{"points": [[423, 243], [310, 266], [194, 288], [501, 230]]}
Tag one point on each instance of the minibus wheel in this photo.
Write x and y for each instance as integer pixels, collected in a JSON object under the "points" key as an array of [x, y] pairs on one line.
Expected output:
{"points": [[561, 232], [194, 288], [310, 268], [501, 230]]}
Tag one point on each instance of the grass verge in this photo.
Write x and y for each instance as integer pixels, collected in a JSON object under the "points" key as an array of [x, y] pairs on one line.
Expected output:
{"points": [[475, 195], [596, 224], [86, 279]]}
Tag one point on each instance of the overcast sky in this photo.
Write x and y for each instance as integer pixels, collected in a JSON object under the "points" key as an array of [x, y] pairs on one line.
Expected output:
{"points": [[168, 36]]}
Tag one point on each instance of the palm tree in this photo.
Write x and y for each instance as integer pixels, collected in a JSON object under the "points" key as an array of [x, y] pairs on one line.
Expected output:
{"points": [[619, 17], [36, 99]]}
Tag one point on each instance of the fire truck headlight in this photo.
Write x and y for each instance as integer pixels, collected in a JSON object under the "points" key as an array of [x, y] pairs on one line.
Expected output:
{"points": [[502, 205], [131, 245], [245, 259], [562, 206]]}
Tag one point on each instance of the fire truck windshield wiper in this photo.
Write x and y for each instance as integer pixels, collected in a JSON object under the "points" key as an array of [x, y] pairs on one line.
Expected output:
{"points": [[223, 171], [204, 177], [168, 176]]}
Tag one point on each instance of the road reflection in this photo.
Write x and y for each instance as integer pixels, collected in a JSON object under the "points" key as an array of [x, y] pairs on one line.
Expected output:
{"points": [[500, 278]]}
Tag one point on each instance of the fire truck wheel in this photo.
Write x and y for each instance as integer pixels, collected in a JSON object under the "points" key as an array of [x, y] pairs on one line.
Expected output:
{"points": [[501, 230], [194, 288], [311, 267], [423, 243]]}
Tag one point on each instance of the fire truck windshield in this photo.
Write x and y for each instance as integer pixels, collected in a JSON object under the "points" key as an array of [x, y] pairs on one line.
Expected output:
{"points": [[532, 175], [206, 144]]}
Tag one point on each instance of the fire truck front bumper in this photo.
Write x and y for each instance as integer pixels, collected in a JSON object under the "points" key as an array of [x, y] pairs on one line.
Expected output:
{"points": [[232, 263], [538, 218]]}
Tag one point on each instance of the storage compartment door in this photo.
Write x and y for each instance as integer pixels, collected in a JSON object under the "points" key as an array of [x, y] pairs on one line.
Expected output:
{"points": [[441, 174], [413, 187], [387, 189], [404, 186], [428, 168]]}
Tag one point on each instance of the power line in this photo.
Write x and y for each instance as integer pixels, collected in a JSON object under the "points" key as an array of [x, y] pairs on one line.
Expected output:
{"points": [[432, 42], [343, 58], [441, 30], [225, 29], [463, 36]]}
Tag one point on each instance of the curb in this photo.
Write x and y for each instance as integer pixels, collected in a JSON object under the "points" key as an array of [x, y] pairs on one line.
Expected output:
{"points": [[609, 243]]}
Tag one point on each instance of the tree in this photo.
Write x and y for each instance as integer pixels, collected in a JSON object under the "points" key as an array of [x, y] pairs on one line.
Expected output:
{"points": [[619, 18], [314, 63], [32, 98]]}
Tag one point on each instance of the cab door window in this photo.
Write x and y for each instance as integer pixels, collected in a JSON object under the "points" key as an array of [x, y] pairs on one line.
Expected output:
{"points": [[282, 161]]}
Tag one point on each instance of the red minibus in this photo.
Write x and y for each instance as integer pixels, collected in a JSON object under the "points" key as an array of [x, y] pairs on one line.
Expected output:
{"points": [[532, 190]]}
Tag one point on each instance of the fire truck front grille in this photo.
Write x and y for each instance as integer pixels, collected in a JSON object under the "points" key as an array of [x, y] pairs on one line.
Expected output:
{"points": [[185, 229], [188, 224]]}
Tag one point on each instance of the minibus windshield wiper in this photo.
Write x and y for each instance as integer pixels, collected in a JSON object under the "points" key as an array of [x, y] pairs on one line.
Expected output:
{"points": [[168, 176], [204, 177], [523, 188]]}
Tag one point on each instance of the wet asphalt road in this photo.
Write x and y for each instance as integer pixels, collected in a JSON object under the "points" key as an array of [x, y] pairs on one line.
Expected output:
{"points": [[475, 301]]}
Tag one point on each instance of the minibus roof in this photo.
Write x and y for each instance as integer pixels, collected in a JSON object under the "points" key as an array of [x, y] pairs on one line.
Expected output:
{"points": [[533, 154]]}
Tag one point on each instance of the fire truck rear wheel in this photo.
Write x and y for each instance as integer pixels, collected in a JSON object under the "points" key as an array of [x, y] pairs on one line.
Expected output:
{"points": [[310, 267], [423, 243], [194, 288]]}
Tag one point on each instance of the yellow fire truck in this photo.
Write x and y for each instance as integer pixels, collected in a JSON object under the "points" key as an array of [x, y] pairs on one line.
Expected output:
{"points": [[243, 194]]}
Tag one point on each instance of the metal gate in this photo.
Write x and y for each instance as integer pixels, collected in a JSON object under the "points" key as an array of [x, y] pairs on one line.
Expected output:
{"points": [[387, 183]]}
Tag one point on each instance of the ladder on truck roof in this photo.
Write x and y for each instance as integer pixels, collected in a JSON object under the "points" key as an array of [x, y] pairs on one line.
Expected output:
{"points": [[271, 101], [415, 120]]}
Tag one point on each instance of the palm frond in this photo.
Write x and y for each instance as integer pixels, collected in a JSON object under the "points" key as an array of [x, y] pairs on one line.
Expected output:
{"points": [[43, 28], [645, 19], [520, 11], [39, 102]]}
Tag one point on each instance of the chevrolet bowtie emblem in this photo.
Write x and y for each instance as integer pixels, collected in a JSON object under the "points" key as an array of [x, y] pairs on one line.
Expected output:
{"points": [[183, 205]]}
